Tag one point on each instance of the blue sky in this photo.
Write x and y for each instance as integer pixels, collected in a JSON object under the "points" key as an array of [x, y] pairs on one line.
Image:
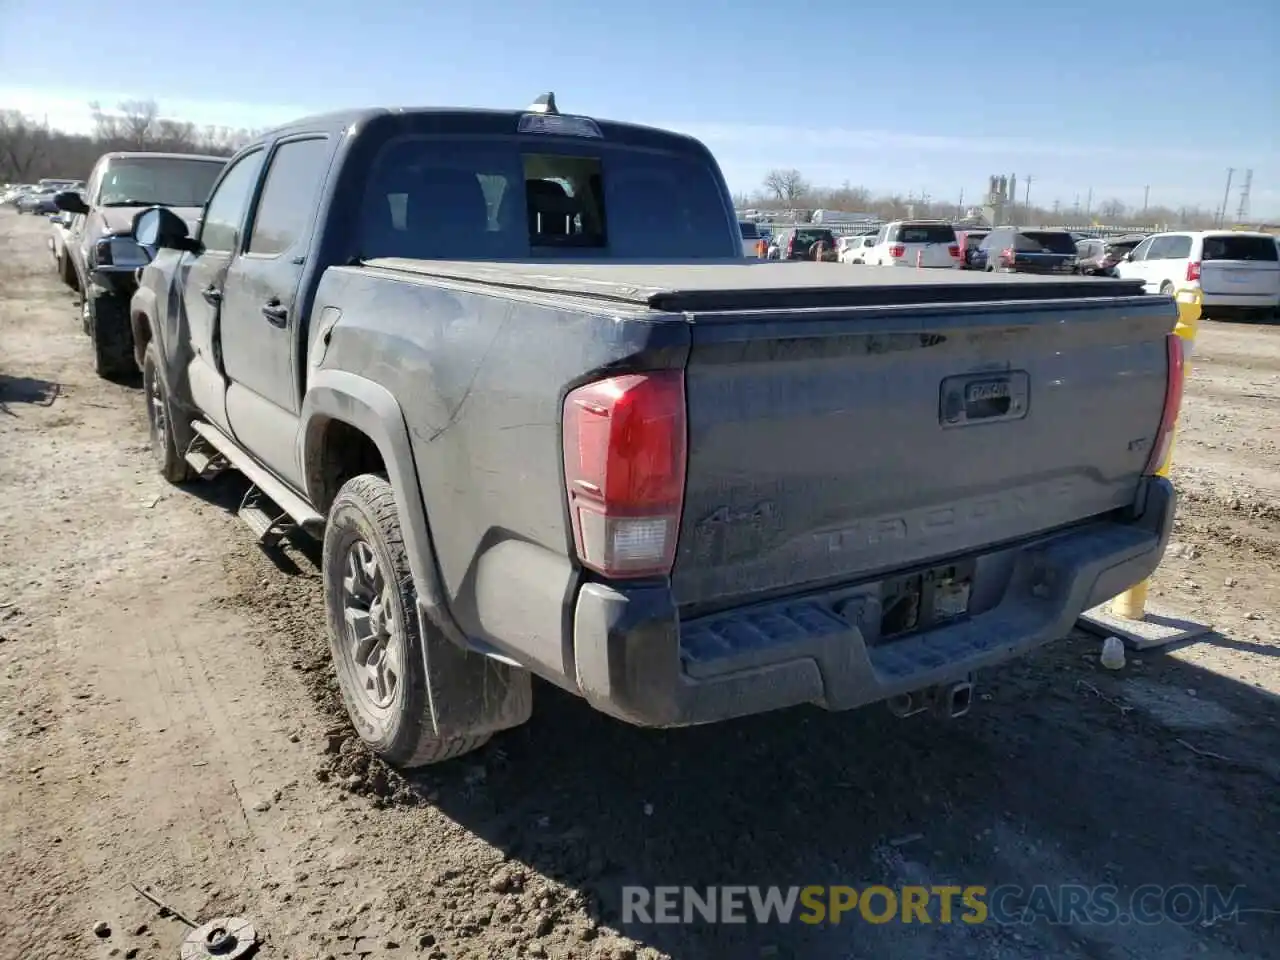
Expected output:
{"points": [[908, 96]]}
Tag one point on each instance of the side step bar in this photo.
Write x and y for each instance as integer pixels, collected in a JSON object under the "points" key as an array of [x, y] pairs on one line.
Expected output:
{"points": [[268, 525]]}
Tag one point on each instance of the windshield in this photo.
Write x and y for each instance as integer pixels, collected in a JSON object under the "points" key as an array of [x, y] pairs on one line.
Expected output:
{"points": [[434, 198], [167, 181], [1045, 241]]}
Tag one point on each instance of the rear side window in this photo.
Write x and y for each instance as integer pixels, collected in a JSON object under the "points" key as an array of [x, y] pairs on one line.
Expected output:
{"points": [[1240, 247], [924, 233], [1044, 241], [289, 195], [437, 198]]}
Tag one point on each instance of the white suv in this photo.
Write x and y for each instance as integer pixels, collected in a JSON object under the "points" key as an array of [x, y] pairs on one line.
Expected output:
{"points": [[911, 243], [1237, 272]]}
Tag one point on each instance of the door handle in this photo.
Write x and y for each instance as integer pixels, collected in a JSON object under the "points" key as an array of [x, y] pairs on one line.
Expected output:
{"points": [[276, 314], [211, 295]]}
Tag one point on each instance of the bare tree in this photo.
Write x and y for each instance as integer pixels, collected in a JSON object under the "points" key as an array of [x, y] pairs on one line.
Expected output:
{"points": [[23, 146], [786, 186], [1111, 211]]}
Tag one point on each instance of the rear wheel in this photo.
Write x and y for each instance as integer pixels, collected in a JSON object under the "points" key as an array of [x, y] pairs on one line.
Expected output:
{"points": [[374, 632], [1167, 288]]}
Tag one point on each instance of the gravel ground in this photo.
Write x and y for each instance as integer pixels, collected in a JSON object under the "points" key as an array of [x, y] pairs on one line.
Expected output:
{"points": [[168, 718]]}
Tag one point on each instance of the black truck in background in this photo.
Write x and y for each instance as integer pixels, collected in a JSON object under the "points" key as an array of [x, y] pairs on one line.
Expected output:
{"points": [[513, 370]]}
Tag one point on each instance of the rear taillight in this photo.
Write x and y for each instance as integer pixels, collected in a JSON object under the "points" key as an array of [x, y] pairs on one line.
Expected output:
{"points": [[897, 250], [624, 469], [1193, 271], [1007, 254], [791, 246], [954, 250], [1172, 404]]}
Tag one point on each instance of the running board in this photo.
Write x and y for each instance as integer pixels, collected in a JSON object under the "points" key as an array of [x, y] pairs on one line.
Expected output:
{"points": [[265, 483]]}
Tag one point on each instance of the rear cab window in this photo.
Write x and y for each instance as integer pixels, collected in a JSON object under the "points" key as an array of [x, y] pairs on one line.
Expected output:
{"points": [[1241, 247], [748, 230], [436, 196], [1044, 241], [924, 233]]}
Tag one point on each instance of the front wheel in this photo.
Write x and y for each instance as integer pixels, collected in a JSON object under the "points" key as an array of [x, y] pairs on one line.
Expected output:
{"points": [[374, 632], [173, 466], [106, 320]]}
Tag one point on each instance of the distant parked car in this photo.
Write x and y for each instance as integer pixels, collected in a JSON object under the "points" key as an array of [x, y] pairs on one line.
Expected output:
{"points": [[1021, 250], [854, 249], [1237, 272], [1098, 257], [33, 200], [751, 239], [795, 243], [969, 241], [909, 243]]}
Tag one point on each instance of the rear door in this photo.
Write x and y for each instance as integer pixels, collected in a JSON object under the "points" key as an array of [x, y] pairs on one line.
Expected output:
{"points": [[1241, 264], [925, 245]]}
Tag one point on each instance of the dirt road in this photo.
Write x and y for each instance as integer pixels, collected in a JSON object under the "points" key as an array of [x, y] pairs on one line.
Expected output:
{"points": [[167, 717]]}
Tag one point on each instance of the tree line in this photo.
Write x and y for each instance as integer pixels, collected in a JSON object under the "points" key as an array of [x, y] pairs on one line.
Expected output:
{"points": [[789, 189], [30, 149]]}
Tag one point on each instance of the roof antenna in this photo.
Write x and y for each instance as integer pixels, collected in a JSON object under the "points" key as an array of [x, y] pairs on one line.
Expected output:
{"points": [[544, 104]]}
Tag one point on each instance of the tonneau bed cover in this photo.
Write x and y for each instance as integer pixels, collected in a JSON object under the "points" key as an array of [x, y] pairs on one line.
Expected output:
{"points": [[759, 285]]}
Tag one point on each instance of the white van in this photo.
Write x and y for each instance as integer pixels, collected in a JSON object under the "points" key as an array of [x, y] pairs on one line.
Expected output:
{"points": [[1238, 272], [910, 243]]}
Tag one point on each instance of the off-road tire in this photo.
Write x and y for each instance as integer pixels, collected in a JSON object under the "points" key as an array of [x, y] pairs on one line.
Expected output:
{"points": [[365, 510], [155, 391], [107, 319]]}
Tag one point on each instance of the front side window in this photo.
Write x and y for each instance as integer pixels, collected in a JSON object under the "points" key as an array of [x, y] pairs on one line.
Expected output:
{"points": [[224, 215], [167, 181]]}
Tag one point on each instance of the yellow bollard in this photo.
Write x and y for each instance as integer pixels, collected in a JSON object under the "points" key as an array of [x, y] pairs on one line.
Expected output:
{"points": [[1132, 604]]}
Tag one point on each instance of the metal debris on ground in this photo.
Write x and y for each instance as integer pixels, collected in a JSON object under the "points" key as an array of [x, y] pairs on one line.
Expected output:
{"points": [[165, 909], [226, 938]]}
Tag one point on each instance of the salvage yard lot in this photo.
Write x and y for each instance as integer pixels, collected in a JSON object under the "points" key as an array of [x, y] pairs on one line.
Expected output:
{"points": [[167, 717]]}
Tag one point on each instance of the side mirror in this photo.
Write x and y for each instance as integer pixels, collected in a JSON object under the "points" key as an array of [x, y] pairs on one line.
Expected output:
{"points": [[1127, 258], [160, 228], [70, 202]]}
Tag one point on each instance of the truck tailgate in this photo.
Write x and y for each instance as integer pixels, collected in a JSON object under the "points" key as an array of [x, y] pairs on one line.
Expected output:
{"points": [[827, 445]]}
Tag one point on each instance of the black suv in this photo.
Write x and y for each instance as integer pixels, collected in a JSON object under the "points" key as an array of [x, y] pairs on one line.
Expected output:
{"points": [[1024, 250], [794, 243]]}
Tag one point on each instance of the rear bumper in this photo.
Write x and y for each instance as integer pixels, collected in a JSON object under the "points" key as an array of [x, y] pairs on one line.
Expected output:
{"points": [[636, 661], [1242, 300]]}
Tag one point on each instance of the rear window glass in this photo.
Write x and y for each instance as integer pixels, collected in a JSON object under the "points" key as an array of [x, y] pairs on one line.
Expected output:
{"points": [[1240, 248], [433, 198], [1045, 241], [810, 237], [749, 230], [971, 240], [924, 233], [1122, 246]]}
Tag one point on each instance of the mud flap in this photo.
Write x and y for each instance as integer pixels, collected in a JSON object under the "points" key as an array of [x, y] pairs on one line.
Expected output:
{"points": [[469, 693]]}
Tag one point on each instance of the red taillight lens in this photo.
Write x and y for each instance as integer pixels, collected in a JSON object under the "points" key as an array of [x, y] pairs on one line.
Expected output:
{"points": [[624, 469], [954, 250], [1172, 404], [897, 250], [791, 246], [1007, 254], [1193, 271]]}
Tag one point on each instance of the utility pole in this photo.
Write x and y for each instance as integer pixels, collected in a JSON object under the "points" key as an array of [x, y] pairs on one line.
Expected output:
{"points": [[1226, 196], [1243, 210], [1026, 198], [1088, 204], [1146, 195], [960, 205]]}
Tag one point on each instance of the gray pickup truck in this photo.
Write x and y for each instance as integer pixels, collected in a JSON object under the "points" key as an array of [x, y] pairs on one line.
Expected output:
{"points": [[514, 372]]}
